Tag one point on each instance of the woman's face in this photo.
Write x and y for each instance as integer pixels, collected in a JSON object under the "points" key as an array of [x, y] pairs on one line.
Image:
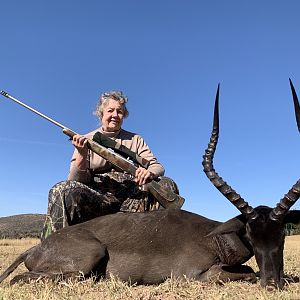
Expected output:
{"points": [[113, 115]]}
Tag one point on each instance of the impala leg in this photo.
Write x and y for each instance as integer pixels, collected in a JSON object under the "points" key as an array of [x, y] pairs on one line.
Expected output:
{"points": [[27, 277], [226, 273]]}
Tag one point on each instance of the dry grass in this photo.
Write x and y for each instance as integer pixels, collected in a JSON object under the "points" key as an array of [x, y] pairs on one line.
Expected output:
{"points": [[169, 290]]}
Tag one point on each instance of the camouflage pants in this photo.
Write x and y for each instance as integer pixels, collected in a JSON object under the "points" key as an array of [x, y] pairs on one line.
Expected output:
{"points": [[72, 202]]}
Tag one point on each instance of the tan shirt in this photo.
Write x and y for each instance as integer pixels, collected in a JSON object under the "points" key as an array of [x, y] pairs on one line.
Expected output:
{"points": [[98, 165]]}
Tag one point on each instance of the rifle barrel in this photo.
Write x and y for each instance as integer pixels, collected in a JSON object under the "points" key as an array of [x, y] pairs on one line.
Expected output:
{"points": [[166, 198], [32, 109]]}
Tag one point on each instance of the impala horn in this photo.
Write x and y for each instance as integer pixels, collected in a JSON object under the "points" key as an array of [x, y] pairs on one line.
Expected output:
{"points": [[213, 176], [278, 213]]}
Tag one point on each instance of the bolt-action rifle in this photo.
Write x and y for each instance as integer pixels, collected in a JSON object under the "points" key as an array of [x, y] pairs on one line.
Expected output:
{"points": [[164, 196]]}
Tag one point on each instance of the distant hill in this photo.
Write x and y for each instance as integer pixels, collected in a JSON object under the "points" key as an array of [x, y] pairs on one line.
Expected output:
{"points": [[21, 226], [31, 225]]}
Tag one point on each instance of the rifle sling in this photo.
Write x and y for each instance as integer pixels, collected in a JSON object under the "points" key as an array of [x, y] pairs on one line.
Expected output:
{"points": [[120, 149]]}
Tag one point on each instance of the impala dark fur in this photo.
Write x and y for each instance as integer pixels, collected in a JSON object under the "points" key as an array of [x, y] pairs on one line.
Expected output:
{"points": [[147, 248]]}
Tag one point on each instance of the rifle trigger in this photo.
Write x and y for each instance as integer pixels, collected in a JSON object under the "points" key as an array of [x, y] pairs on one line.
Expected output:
{"points": [[144, 187]]}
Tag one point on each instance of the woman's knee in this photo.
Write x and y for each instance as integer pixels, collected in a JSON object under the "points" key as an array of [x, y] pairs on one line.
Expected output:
{"points": [[62, 188]]}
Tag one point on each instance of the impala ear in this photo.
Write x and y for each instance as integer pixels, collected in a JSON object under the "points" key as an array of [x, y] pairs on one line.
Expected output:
{"points": [[236, 224], [293, 216]]}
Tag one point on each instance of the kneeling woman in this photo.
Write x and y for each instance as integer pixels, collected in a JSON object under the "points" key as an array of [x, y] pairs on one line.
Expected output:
{"points": [[93, 187]]}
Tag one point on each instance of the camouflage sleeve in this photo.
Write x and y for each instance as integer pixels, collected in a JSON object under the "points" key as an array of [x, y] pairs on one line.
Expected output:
{"points": [[144, 151]]}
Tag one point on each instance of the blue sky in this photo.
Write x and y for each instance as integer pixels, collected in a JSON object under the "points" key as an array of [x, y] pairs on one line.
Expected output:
{"points": [[168, 58]]}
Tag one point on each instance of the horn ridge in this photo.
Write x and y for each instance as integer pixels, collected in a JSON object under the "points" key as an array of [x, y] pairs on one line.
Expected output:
{"points": [[281, 209], [214, 177]]}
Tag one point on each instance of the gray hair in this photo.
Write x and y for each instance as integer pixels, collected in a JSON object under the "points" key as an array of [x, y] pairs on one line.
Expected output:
{"points": [[114, 95]]}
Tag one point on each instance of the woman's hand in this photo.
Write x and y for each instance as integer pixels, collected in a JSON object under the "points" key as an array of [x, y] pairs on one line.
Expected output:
{"points": [[80, 143], [142, 176]]}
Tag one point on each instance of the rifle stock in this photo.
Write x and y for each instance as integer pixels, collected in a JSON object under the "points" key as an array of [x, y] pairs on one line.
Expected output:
{"points": [[164, 196]]}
